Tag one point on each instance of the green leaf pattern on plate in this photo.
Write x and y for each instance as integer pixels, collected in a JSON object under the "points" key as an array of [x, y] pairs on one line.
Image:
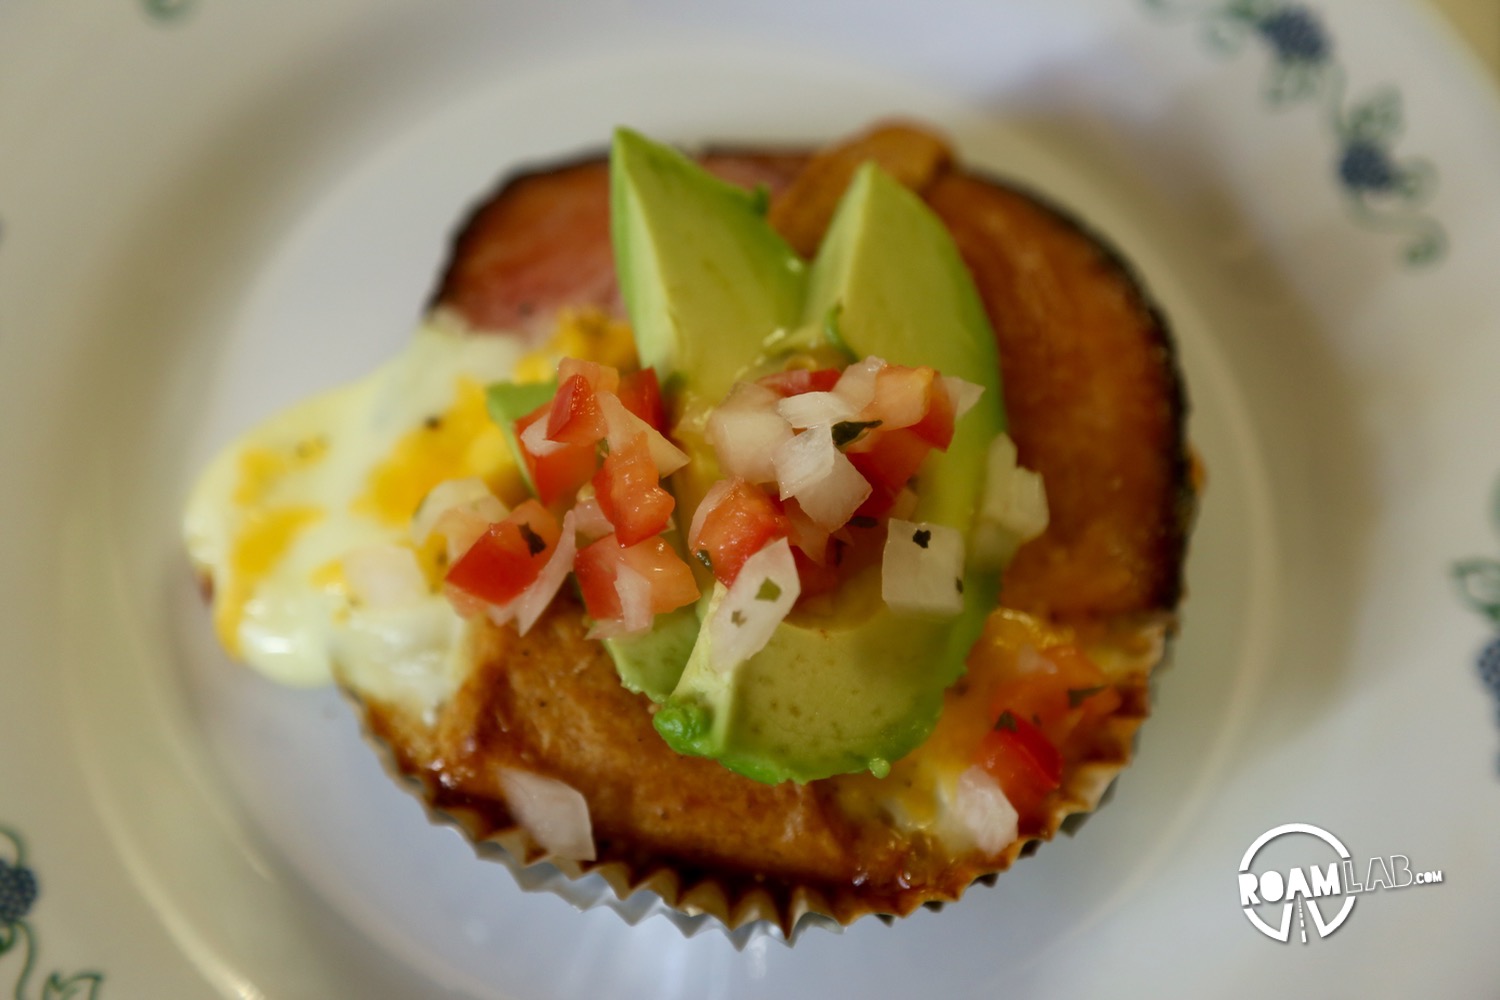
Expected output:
{"points": [[1478, 583], [163, 10], [18, 894]]}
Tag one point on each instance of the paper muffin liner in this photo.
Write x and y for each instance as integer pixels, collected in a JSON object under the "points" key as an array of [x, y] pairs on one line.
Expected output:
{"points": [[699, 902]]}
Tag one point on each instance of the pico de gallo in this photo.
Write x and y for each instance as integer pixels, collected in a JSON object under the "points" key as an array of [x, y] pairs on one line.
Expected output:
{"points": [[819, 470]]}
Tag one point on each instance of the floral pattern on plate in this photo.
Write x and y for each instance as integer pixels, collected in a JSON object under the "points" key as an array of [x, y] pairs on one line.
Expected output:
{"points": [[1478, 581], [18, 894], [1383, 192]]}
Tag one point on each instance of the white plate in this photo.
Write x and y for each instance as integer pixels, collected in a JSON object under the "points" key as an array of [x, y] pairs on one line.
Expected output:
{"points": [[211, 208]]}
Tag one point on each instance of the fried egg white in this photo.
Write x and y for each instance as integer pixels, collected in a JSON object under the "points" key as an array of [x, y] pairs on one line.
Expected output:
{"points": [[274, 516], [275, 519]]}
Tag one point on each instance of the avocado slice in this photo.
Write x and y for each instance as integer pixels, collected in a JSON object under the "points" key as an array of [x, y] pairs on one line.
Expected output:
{"points": [[712, 289], [701, 299], [705, 278]]}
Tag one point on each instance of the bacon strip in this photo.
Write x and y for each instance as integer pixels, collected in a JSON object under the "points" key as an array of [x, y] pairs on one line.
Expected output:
{"points": [[541, 243]]}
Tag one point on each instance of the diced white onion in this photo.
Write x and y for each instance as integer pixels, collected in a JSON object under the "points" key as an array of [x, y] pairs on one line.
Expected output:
{"points": [[750, 610], [553, 812], [666, 455], [856, 385], [1030, 662], [986, 815], [634, 591], [537, 442], [622, 426], [461, 528], [470, 493], [1014, 507], [963, 394], [384, 576], [804, 460], [589, 519], [1026, 508], [531, 602], [921, 571], [746, 430], [635, 599], [812, 408], [826, 484], [900, 399]]}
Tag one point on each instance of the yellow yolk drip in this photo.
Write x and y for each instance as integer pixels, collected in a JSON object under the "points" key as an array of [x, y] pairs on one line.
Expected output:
{"points": [[267, 531], [459, 443], [586, 334], [261, 468], [263, 538], [432, 557], [273, 519]]}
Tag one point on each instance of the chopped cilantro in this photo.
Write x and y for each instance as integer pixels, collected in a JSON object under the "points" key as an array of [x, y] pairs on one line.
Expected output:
{"points": [[1077, 696], [769, 590], [737, 617], [833, 334], [921, 536], [847, 431], [534, 543]]}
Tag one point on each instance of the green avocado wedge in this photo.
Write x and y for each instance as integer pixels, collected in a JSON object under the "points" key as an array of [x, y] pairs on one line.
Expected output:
{"points": [[712, 289]]}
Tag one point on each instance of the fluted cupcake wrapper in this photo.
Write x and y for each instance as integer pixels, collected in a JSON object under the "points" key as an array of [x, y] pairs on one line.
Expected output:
{"points": [[700, 902]]}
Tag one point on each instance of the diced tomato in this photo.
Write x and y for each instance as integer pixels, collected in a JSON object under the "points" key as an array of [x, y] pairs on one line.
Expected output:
{"points": [[902, 395], [672, 583], [796, 381], [877, 505], [575, 417], [562, 472], [743, 522], [936, 427], [890, 458], [629, 492], [805, 534], [1059, 689], [507, 558], [1023, 761], [595, 568], [641, 394], [601, 378]]}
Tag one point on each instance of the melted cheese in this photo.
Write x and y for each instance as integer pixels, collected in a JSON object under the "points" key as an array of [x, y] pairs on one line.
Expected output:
{"points": [[919, 793]]}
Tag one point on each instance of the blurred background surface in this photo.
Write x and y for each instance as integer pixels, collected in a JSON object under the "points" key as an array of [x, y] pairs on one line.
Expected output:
{"points": [[1478, 22]]}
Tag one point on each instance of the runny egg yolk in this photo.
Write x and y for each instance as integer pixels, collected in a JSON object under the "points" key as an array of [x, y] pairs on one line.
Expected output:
{"points": [[458, 444]]}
